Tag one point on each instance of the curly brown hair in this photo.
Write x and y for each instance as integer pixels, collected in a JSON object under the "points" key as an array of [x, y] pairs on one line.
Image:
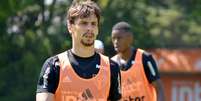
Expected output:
{"points": [[82, 9]]}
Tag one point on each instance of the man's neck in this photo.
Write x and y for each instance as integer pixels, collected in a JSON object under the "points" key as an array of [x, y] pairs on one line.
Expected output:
{"points": [[83, 51], [126, 54]]}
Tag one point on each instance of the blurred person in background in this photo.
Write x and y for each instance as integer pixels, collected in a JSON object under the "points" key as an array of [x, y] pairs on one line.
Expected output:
{"points": [[139, 74], [99, 46], [80, 73]]}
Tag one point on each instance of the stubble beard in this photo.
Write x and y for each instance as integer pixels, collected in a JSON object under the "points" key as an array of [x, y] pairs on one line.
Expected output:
{"points": [[85, 43]]}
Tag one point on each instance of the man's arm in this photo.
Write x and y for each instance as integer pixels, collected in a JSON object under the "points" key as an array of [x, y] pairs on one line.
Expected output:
{"points": [[48, 80], [159, 90], [44, 97], [152, 75]]}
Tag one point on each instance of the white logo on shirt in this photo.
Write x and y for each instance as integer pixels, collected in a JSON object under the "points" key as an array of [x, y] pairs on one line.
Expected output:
{"points": [[151, 68], [97, 66], [132, 62]]}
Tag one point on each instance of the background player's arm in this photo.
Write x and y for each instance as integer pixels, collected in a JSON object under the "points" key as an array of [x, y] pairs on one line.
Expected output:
{"points": [[159, 90], [44, 97], [152, 74]]}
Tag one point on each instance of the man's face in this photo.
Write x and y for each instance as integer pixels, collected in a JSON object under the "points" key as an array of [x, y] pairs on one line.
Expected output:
{"points": [[121, 40], [85, 30]]}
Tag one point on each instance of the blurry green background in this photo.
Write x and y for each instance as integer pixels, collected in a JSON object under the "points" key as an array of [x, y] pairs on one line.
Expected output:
{"points": [[33, 30]]}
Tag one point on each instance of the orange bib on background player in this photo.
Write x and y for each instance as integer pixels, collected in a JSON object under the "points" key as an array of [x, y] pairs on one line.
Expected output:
{"points": [[72, 87], [135, 86]]}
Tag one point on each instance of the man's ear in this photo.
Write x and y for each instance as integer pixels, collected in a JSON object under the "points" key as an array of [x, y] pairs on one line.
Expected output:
{"points": [[69, 26]]}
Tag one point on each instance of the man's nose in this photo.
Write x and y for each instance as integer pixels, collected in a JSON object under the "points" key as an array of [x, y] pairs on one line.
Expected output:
{"points": [[115, 41], [89, 27]]}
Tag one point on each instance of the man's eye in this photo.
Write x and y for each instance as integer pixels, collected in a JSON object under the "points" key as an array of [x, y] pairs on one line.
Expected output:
{"points": [[114, 38], [94, 23]]}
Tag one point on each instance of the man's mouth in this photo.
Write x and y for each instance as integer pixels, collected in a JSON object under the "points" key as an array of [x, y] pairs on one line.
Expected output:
{"points": [[116, 46], [88, 35]]}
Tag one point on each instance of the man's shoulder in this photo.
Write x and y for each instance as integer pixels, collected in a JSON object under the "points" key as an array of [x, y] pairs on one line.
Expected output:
{"points": [[114, 58], [111, 61], [144, 52], [64, 53], [114, 66], [51, 59], [54, 59]]}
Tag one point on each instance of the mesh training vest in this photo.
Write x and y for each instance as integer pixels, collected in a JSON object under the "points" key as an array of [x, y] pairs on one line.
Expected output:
{"points": [[135, 86], [72, 87]]}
